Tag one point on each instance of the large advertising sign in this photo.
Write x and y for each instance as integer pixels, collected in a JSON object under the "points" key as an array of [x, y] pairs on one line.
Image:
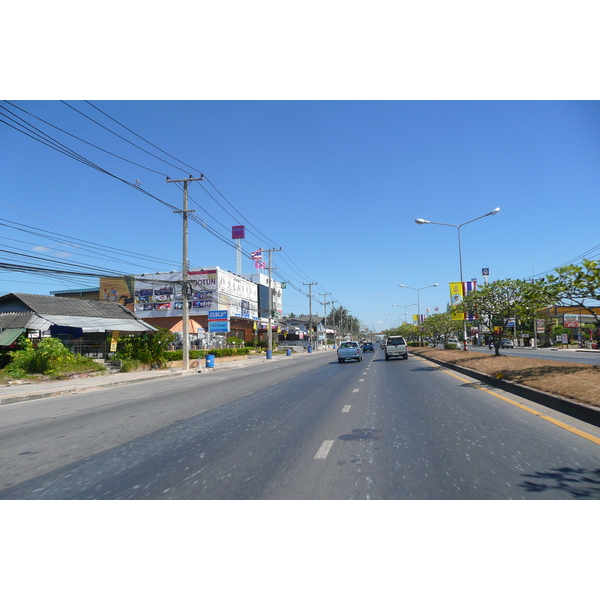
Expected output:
{"points": [[118, 289], [160, 295], [238, 232]]}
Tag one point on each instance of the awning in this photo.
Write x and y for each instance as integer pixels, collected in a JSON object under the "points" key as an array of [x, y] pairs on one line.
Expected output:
{"points": [[99, 324], [193, 327], [8, 336]]}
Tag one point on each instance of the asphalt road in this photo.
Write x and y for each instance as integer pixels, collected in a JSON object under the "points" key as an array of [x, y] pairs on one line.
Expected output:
{"points": [[304, 429]]}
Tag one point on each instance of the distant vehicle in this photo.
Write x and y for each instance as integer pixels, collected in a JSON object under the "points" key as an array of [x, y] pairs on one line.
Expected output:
{"points": [[368, 347], [349, 351], [453, 340], [396, 347], [506, 343]]}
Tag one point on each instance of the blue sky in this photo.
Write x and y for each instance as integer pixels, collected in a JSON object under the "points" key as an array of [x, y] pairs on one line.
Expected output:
{"points": [[336, 184]]}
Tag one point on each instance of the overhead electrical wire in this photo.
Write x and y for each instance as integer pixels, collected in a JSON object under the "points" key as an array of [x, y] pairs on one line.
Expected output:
{"points": [[51, 142], [260, 236]]}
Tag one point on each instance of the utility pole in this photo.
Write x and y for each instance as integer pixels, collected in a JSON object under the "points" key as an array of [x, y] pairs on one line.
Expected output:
{"points": [[325, 317], [185, 269], [270, 332], [310, 306]]}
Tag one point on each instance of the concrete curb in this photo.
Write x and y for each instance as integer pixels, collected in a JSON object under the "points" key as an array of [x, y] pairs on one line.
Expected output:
{"points": [[583, 412]]}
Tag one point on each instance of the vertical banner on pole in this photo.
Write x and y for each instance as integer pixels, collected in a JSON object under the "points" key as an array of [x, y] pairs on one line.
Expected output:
{"points": [[456, 296]]}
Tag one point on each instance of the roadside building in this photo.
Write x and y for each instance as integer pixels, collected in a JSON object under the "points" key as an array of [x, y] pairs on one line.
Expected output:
{"points": [[295, 331], [158, 300], [575, 319], [85, 326]]}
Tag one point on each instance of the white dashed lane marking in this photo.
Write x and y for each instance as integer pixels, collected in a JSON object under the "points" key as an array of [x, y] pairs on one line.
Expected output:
{"points": [[324, 449], [354, 391], [346, 408]]}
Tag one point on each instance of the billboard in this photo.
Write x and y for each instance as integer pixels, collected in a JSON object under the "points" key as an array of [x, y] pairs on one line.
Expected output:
{"points": [[238, 232], [160, 295], [118, 289]]}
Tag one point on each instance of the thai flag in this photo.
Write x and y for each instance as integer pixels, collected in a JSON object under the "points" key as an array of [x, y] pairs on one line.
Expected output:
{"points": [[256, 255]]}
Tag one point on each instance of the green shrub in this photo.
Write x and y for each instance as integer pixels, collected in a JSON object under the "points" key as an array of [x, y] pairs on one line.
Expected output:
{"points": [[129, 365], [148, 348], [49, 357], [174, 355]]}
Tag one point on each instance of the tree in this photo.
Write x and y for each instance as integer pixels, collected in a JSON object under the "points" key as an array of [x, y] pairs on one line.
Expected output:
{"points": [[343, 321], [496, 303], [439, 326], [577, 284]]}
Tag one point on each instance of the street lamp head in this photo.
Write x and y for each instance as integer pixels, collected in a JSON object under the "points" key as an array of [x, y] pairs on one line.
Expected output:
{"points": [[496, 210], [421, 221], [435, 285]]}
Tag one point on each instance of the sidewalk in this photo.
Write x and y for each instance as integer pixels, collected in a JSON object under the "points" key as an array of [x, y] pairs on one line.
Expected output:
{"points": [[19, 392]]}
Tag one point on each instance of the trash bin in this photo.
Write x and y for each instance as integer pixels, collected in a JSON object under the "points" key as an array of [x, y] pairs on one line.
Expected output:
{"points": [[210, 361], [288, 352], [269, 353], [310, 349]]}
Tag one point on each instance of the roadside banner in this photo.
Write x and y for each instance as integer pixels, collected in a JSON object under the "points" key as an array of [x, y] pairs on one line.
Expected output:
{"points": [[456, 296]]}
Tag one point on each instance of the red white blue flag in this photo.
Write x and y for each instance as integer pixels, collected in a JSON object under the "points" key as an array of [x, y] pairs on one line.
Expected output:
{"points": [[256, 255]]}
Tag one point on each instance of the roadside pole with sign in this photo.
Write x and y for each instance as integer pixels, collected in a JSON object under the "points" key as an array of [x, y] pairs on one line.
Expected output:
{"points": [[218, 321]]}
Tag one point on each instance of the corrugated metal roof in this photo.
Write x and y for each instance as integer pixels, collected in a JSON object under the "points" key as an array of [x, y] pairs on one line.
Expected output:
{"points": [[27, 320], [8, 336], [40, 312], [77, 307]]}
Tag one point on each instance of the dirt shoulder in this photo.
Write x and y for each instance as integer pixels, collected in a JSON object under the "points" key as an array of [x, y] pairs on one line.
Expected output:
{"points": [[575, 381]]}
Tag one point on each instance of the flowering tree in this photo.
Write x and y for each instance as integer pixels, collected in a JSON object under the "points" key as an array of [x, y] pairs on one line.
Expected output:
{"points": [[577, 284], [496, 303]]}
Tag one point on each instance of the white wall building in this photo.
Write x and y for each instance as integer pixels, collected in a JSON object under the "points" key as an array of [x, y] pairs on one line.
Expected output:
{"points": [[159, 295]]}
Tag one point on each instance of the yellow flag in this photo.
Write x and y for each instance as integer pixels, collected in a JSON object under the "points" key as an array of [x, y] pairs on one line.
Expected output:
{"points": [[456, 296]]}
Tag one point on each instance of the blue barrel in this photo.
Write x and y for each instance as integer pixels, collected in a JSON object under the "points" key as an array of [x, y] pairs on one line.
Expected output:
{"points": [[269, 353], [309, 349], [210, 361], [288, 352]]}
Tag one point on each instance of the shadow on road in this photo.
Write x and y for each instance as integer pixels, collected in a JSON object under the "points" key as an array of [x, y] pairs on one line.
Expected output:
{"points": [[579, 483], [362, 434]]}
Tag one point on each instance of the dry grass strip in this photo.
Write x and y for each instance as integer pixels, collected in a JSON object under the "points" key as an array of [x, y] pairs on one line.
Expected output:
{"points": [[575, 381]]}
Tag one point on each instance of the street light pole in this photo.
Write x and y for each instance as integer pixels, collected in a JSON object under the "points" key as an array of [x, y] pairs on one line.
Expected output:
{"points": [[404, 307], [425, 222], [418, 301]]}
